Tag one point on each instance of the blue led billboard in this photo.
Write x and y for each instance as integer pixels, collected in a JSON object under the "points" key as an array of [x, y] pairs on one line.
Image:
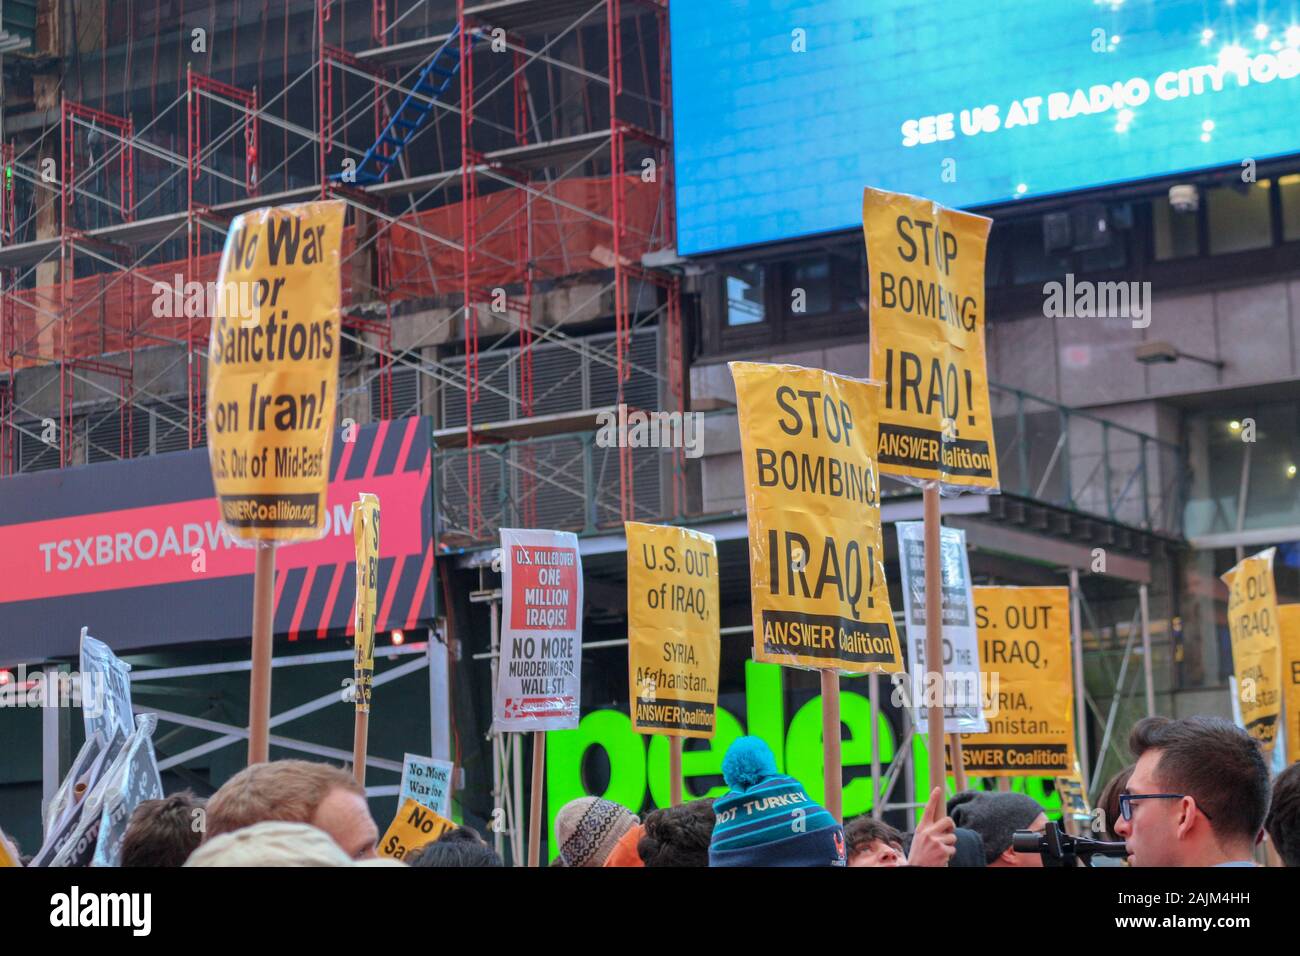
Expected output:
{"points": [[784, 109]]}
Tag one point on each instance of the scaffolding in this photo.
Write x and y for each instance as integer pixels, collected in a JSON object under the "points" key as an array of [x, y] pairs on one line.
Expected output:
{"points": [[488, 154]]}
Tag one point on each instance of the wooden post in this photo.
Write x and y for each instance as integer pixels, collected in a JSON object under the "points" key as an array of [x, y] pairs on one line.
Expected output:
{"points": [[360, 735], [934, 634], [958, 769], [675, 771], [1004, 784], [259, 681], [833, 772], [535, 799]]}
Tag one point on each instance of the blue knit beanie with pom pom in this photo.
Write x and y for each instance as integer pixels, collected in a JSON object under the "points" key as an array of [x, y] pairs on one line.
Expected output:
{"points": [[768, 819]]}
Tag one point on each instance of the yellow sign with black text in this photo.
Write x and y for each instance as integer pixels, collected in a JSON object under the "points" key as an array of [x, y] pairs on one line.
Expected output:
{"points": [[926, 265], [273, 369], [672, 637], [1288, 617], [813, 496], [1256, 645], [1024, 637], [413, 827], [365, 535]]}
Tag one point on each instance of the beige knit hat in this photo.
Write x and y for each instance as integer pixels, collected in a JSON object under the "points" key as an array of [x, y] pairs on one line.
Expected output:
{"points": [[588, 828], [273, 843]]}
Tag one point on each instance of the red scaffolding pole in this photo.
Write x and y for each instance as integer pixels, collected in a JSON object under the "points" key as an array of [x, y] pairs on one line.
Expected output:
{"points": [[198, 86]]}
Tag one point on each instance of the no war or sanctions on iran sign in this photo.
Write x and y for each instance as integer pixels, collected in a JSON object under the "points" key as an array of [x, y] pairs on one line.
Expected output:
{"points": [[927, 341], [538, 674], [813, 495], [1024, 636], [673, 637], [273, 370]]}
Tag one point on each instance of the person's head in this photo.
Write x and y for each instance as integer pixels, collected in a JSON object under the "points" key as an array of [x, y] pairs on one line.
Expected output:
{"points": [[163, 832], [455, 848], [1283, 823], [587, 830], [996, 817], [296, 791], [1198, 793], [1108, 803], [677, 836], [873, 843], [767, 818]]}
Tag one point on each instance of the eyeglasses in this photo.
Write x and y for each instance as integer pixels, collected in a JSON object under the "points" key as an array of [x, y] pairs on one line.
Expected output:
{"points": [[1126, 802]]}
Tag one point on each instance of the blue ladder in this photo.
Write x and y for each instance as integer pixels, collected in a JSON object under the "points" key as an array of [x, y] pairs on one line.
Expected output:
{"points": [[434, 79]]}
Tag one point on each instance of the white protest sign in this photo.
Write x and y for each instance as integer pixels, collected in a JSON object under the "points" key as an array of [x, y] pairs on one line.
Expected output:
{"points": [[538, 672], [963, 710], [105, 689], [428, 782]]}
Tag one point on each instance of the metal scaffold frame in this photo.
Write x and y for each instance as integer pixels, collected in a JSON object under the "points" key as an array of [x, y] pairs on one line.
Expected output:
{"points": [[522, 181]]}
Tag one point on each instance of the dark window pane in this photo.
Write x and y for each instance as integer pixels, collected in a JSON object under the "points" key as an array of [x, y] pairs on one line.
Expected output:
{"points": [[1175, 232], [1239, 217], [808, 291], [1290, 187], [744, 294]]}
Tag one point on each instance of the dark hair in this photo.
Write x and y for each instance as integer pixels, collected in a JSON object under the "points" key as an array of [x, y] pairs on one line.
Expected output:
{"points": [[861, 832], [462, 834], [163, 832], [1109, 800], [677, 836], [1283, 823], [1213, 761], [457, 852]]}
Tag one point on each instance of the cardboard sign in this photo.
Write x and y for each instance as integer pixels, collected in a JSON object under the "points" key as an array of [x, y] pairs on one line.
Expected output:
{"points": [[927, 341], [1024, 636], [1288, 616], [816, 559], [963, 702], [413, 827], [365, 533], [428, 782], [538, 673], [673, 644], [1256, 645], [273, 370]]}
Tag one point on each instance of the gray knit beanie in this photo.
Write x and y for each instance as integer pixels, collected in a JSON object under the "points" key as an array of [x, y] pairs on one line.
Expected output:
{"points": [[994, 816]]}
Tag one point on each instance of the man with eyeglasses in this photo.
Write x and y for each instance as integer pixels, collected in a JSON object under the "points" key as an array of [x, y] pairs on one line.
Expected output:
{"points": [[1198, 794]]}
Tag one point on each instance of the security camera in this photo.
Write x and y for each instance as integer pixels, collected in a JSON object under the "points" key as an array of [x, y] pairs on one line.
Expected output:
{"points": [[1184, 198]]}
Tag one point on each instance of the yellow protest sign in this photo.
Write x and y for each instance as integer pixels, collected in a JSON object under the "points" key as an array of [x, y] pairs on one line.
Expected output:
{"points": [[1024, 636], [927, 340], [7, 855], [273, 368], [413, 827], [365, 534], [813, 495], [1256, 648], [672, 629], [1288, 616]]}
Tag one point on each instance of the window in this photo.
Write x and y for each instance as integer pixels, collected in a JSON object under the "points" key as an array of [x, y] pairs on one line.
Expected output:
{"points": [[1289, 187], [1175, 232], [1239, 217], [807, 289], [745, 294]]}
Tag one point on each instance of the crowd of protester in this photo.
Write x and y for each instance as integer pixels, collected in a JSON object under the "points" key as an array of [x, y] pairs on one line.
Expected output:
{"points": [[1198, 794]]}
